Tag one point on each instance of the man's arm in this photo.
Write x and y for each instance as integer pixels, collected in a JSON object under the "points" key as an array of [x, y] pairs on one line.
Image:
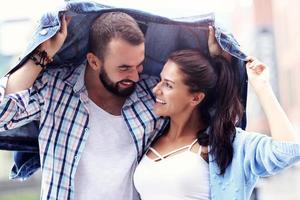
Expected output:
{"points": [[21, 96], [214, 47], [25, 76]]}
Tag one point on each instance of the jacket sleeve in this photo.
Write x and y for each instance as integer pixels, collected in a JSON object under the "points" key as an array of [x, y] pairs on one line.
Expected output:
{"points": [[264, 156], [20, 108]]}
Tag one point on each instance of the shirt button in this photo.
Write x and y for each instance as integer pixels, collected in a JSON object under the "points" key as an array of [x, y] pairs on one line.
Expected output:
{"points": [[76, 157], [86, 129]]}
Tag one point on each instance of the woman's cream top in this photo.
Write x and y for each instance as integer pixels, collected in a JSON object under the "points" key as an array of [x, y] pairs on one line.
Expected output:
{"points": [[179, 175]]}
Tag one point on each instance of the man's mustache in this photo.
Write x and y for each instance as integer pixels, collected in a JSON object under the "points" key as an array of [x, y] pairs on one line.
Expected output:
{"points": [[127, 81]]}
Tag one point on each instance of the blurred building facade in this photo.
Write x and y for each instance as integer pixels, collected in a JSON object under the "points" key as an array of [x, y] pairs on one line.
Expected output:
{"points": [[285, 20], [268, 30]]}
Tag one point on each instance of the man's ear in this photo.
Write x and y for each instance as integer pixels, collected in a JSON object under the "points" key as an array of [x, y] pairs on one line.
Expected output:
{"points": [[94, 62], [197, 98]]}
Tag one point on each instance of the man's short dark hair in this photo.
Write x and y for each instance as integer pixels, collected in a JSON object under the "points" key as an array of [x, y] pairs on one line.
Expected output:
{"points": [[113, 25]]}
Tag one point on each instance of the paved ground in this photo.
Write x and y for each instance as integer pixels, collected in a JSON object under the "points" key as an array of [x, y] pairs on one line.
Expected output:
{"points": [[283, 186]]}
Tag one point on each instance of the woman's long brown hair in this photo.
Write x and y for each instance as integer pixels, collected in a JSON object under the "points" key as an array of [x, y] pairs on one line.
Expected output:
{"points": [[221, 108]]}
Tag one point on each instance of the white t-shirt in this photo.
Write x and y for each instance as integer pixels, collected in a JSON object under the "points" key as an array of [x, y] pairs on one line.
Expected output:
{"points": [[105, 170]]}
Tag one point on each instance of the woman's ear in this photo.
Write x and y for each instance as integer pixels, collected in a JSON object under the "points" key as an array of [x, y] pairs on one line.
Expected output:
{"points": [[94, 62], [197, 98]]}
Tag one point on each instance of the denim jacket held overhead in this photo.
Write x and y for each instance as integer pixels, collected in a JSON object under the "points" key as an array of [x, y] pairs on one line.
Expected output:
{"points": [[162, 36]]}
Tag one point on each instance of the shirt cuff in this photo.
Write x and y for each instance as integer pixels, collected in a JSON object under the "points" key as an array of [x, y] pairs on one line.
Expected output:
{"points": [[3, 83], [21, 98]]}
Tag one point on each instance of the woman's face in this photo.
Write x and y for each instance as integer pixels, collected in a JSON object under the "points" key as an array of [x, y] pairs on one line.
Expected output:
{"points": [[172, 95]]}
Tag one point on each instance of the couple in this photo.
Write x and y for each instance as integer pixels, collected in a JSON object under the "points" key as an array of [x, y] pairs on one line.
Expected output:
{"points": [[98, 120]]}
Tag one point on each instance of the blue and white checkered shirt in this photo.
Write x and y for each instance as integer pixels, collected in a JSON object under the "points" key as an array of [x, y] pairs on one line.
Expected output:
{"points": [[58, 99]]}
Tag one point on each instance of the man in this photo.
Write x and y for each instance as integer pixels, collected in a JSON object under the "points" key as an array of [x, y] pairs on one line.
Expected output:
{"points": [[94, 119]]}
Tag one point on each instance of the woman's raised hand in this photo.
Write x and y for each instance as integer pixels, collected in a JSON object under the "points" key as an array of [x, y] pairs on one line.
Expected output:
{"points": [[258, 74]]}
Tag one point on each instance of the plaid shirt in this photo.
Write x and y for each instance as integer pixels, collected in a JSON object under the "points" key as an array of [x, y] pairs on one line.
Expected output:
{"points": [[58, 99]]}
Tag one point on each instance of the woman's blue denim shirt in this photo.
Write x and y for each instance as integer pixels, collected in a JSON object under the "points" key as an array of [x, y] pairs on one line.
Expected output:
{"points": [[162, 36]]}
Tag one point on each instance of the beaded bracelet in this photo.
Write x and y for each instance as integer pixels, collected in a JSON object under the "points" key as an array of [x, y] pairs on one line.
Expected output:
{"points": [[40, 58]]}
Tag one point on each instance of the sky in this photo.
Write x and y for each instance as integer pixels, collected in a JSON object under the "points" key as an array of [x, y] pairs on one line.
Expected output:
{"points": [[170, 8]]}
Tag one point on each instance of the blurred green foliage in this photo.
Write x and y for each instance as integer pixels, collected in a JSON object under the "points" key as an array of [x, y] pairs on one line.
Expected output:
{"points": [[21, 196]]}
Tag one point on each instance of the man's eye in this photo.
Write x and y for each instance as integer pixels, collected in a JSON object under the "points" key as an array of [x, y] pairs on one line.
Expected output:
{"points": [[124, 68]]}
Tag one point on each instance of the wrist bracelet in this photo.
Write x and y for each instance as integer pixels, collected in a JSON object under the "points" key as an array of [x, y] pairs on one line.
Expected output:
{"points": [[40, 58]]}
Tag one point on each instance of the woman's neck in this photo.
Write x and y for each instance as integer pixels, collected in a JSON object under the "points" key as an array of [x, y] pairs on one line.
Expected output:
{"points": [[186, 125]]}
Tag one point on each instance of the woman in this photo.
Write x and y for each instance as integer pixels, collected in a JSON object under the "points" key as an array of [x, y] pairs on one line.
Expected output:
{"points": [[202, 155]]}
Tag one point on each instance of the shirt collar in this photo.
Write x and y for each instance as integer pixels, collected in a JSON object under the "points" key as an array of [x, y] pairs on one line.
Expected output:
{"points": [[75, 78]]}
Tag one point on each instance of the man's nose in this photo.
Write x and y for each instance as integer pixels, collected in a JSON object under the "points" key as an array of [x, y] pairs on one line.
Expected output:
{"points": [[136, 73]]}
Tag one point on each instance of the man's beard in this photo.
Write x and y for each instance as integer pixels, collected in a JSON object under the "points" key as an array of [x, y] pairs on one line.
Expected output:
{"points": [[115, 87]]}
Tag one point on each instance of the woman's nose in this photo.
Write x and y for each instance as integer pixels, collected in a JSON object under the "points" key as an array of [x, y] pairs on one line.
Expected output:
{"points": [[156, 88]]}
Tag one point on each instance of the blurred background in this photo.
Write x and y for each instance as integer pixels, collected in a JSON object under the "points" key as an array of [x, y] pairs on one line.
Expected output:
{"points": [[265, 28]]}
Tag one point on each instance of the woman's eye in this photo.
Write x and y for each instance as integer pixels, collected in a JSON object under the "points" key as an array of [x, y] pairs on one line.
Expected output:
{"points": [[168, 85]]}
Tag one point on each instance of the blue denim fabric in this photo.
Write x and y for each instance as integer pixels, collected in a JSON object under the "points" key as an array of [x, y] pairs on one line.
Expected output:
{"points": [[162, 35]]}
